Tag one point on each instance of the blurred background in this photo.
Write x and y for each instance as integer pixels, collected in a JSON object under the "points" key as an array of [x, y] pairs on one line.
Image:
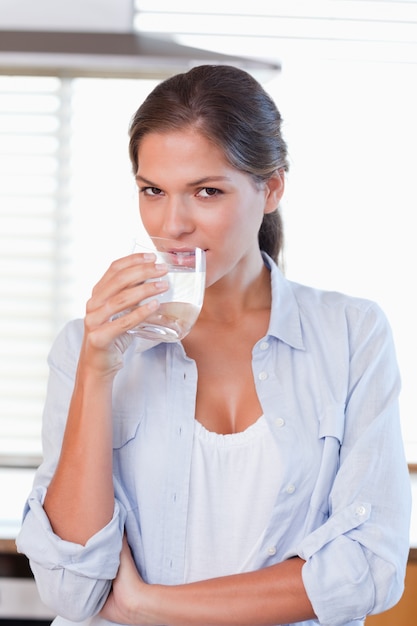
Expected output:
{"points": [[344, 76]]}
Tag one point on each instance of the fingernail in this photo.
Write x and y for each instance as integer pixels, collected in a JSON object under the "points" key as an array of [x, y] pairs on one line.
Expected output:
{"points": [[153, 304]]}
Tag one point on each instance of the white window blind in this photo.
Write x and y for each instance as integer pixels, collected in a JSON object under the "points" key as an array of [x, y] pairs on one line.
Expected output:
{"points": [[34, 173], [67, 209]]}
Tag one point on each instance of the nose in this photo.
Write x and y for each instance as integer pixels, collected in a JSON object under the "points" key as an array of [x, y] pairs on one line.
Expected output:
{"points": [[177, 218]]}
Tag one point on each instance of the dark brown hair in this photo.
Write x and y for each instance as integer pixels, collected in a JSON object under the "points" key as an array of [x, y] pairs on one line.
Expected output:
{"points": [[230, 108]]}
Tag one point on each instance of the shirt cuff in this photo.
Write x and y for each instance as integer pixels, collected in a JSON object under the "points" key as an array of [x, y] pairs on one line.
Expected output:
{"points": [[98, 559], [336, 575]]}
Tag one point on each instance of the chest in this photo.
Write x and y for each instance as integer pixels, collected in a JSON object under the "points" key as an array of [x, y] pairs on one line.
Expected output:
{"points": [[226, 400], [153, 456]]}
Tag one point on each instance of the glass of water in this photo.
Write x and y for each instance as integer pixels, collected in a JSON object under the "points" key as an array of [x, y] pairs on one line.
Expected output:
{"points": [[181, 304]]}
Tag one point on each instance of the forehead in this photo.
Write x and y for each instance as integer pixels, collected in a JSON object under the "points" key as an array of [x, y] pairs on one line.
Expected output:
{"points": [[172, 148], [177, 158], [188, 135]]}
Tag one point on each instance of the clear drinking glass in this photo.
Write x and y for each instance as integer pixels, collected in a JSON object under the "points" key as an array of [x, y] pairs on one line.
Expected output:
{"points": [[181, 304]]}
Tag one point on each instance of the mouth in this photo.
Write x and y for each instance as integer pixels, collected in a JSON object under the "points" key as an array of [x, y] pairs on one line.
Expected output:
{"points": [[186, 257], [179, 253]]}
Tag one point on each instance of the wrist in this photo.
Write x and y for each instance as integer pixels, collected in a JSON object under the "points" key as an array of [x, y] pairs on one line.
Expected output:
{"points": [[148, 604], [98, 366]]}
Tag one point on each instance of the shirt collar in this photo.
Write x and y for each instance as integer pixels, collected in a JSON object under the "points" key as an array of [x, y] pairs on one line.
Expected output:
{"points": [[285, 323]]}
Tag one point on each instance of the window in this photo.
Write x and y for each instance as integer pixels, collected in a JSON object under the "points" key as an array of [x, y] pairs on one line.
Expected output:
{"points": [[34, 157], [68, 203], [68, 207]]}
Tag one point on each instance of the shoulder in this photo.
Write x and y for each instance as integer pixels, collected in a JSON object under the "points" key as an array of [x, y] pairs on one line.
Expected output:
{"points": [[338, 320], [301, 314], [327, 301], [69, 338]]}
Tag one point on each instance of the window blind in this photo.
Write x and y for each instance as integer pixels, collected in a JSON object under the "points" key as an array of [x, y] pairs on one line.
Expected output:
{"points": [[67, 209], [34, 167]]}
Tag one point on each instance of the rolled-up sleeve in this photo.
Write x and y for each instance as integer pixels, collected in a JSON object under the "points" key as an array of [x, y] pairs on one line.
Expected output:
{"points": [[72, 580], [355, 562]]}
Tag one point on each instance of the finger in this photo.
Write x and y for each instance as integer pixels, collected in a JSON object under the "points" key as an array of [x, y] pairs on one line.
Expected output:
{"points": [[129, 271], [126, 309], [124, 275]]}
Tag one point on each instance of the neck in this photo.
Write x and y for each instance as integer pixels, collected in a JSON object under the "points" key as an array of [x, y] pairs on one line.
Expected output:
{"points": [[228, 298]]}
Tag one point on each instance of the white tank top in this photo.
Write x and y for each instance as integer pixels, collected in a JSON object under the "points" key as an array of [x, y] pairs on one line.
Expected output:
{"points": [[234, 484]]}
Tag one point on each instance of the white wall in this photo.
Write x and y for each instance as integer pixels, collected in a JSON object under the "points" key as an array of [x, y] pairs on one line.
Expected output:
{"points": [[351, 197]]}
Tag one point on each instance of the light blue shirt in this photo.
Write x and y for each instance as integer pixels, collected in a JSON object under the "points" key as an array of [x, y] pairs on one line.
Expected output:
{"points": [[327, 379]]}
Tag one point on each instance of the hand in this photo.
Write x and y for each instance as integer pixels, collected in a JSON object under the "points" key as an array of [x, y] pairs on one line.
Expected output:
{"points": [[121, 605], [122, 287]]}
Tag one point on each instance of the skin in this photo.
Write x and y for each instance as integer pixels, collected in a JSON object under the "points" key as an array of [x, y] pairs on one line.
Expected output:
{"points": [[274, 595], [189, 192], [198, 197]]}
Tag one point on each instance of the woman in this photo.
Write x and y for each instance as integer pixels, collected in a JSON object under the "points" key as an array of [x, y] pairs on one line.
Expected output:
{"points": [[252, 473]]}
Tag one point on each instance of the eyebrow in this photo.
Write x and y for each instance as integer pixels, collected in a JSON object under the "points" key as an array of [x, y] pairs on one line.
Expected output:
{"points": [[195, 183]]}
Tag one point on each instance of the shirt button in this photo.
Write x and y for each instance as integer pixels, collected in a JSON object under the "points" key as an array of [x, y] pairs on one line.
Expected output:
{"points": [[279, 422], [360, 511], [290, 489], [272, 550], [264, 345], [263, 376]]}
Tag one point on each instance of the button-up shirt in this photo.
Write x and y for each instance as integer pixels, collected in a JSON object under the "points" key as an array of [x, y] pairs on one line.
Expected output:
{"points": [[327, 379]]}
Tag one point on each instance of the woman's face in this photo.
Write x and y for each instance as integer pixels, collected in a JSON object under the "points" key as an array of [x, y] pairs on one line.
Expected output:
{"points": [[188, 191]]}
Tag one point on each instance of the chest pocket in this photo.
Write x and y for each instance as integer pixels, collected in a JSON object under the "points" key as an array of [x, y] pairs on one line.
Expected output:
{"points": [[124, 429], [331, 432]]}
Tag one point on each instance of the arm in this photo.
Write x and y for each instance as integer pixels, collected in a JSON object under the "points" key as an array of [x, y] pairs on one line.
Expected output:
{"points": [[74, 554], [80, 499], [268, 596], [369, 498]]}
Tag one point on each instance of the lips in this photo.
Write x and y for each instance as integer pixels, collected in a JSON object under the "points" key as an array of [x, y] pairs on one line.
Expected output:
{"points": [[181, 258], [179, 253], [184, 257]]}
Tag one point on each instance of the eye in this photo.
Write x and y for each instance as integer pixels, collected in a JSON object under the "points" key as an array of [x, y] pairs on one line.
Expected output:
{"points": [[151, 191], [208, 192]]}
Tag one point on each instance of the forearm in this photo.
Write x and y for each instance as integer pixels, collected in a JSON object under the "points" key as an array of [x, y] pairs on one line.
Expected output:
{"points": [[80, 498], [274, 595]]}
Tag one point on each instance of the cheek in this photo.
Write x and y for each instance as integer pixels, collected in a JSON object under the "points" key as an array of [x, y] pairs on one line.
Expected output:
{"points": [[221, 256], [148, 218]]}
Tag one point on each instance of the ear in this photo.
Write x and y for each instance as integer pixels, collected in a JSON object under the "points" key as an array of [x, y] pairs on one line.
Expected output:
{"points": [[274, 190]]}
